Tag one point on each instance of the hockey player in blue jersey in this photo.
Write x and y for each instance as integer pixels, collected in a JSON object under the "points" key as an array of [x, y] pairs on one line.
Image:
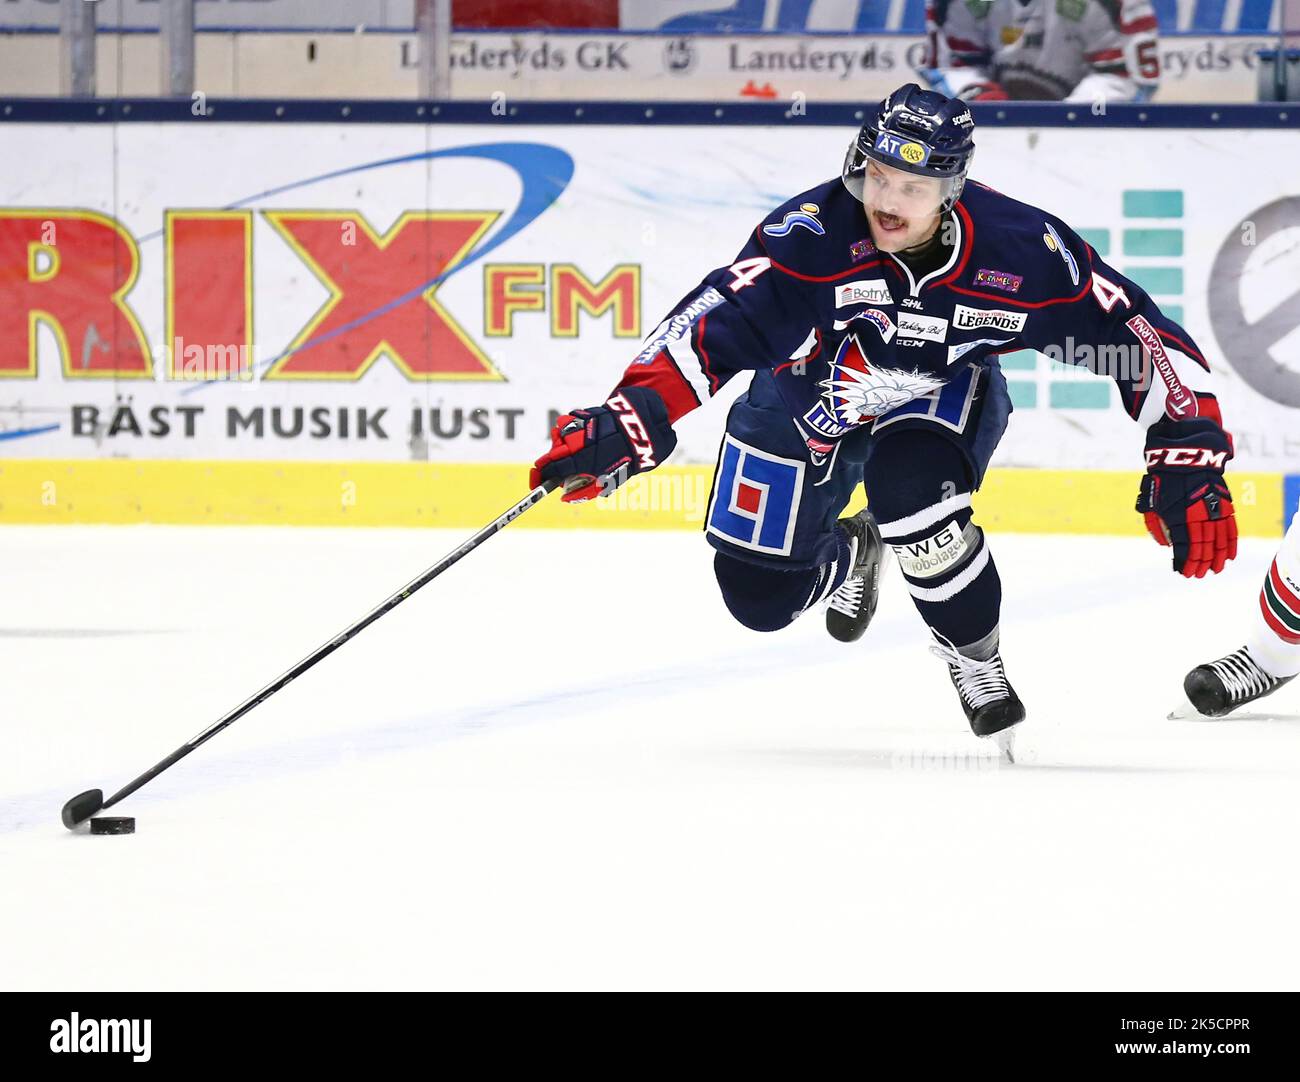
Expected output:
{"points": [[871, 311]]}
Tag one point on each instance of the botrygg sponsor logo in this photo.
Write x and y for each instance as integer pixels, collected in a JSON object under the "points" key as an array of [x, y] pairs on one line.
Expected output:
{"points": [[863, 291]]}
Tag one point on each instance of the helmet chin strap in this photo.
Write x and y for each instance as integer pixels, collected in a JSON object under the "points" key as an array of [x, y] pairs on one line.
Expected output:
{"points": [[929, 237], [925, 246]]}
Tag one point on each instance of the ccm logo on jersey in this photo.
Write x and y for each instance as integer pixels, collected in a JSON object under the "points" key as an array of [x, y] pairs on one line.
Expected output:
{"points": [[1190, 457], [973, 319], [635, 429], [864, 291]]}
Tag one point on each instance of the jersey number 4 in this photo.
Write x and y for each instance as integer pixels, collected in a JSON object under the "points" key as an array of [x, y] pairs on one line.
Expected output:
{"points": [[746, 272], [1108, 293]]}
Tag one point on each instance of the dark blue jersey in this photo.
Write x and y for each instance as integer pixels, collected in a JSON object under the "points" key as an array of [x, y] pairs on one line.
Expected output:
{"points": [[852, 335]]}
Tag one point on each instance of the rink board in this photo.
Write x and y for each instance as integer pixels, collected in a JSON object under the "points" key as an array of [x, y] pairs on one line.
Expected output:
{"points": [[387, 316], [468, 495]]}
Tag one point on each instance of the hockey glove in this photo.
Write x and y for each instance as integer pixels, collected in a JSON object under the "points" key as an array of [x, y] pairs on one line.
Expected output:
{"points": [[984, 91], [595, 450], [1184, 498]]}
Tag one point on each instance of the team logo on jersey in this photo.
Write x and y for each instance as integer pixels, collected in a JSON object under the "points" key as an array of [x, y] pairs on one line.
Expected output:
{"points": [[974, 319], [996, 279], [905, 150], [1054, 244], [865, 291], [880, 320], [860, 249], [915, 325], [855, 392], [805, 216]]}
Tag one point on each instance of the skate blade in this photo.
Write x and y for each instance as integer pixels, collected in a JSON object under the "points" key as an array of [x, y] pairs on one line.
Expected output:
{"points": [[1006, 742], [1185, 711]]}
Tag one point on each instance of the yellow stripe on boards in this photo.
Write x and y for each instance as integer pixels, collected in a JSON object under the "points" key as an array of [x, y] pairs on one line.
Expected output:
{"points": [[468, 495]]}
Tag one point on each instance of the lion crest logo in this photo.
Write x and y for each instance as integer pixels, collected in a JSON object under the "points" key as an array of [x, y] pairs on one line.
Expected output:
{"points": [[857, 392]]}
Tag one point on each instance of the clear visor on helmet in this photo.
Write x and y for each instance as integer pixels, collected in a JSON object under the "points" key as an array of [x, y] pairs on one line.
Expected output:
{"points": [[896, 191]]}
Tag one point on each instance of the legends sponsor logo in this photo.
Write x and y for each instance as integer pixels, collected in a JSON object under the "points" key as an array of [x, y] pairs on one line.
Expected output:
{"points": [[864, 291], [973, 319]]}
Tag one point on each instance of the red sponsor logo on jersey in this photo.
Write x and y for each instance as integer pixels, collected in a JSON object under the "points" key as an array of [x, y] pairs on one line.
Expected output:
{"points": [[1180, 403]]}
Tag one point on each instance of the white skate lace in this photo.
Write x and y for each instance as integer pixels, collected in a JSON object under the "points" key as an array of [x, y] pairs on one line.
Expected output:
{"points": [[978, 682], [848, 598], [1241, 676]]}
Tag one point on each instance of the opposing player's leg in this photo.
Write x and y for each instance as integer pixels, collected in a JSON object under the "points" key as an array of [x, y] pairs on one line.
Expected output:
{"points": [[924, 463], [773, 520], [1271, 656]]}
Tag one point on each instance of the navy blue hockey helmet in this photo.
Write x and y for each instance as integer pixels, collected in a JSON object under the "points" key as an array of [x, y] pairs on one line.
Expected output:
{"points": [[917, 131]]}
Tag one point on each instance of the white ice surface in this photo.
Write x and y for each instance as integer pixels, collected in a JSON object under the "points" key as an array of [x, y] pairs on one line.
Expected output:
{"points": [[563, 765]]}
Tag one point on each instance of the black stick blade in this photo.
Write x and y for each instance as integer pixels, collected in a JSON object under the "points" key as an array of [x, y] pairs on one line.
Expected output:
{"points": [[81, 807]]}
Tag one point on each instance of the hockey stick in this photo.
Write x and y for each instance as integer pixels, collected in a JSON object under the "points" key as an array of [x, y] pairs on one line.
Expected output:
{"points": [[82, 806]]}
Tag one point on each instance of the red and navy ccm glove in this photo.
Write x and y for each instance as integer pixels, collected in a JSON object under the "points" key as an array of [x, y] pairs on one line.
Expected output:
{"points": [[1184, 498], [606, 445]]}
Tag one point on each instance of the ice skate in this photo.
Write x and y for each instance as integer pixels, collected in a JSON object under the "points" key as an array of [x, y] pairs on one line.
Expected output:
{"points": [[854, 603], [992, 706], [1219, 687]]}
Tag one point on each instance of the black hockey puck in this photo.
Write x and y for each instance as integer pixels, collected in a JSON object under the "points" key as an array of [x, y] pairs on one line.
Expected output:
{"points": [[112, 824]]}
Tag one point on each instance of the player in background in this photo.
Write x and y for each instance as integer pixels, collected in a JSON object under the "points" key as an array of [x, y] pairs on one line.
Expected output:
{"points": [[1043, 50], [1271, 656], [870, 311]]}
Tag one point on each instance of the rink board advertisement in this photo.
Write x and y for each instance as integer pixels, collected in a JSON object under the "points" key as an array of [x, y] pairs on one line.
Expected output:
{"points": [[237, 309]]}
